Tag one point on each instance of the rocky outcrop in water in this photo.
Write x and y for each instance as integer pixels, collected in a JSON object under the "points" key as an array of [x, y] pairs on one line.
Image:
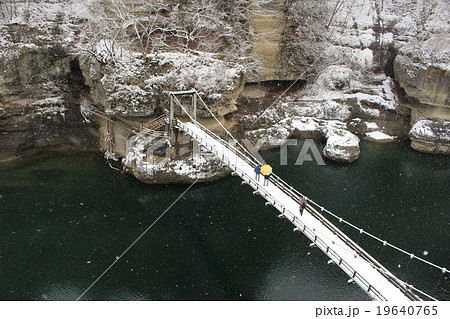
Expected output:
{"points": [[431, 136], [153, 169]]}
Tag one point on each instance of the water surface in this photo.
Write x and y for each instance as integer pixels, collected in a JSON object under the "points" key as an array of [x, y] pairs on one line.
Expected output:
{"points": [[66, 217]]}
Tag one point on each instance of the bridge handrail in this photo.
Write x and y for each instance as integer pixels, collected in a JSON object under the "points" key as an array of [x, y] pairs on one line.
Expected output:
{"points": [[295, 195], [131, 128], [253, 161], [165, 114], [362, 253], [319, 242], [153, 132]]}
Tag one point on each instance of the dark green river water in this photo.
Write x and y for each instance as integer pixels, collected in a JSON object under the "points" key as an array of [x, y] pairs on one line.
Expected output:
{"points": [[65, 217]]}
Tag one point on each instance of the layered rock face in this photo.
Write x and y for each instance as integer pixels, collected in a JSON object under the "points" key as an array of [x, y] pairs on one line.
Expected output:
{"points": [[268, 19], [423, 71], [431, 136], [40, 88], [341, 53], [363, 66], [376, 66]]}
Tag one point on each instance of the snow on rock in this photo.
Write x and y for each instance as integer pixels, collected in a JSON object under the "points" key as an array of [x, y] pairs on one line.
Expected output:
{"points": [[137, 147], [273, 136], [335, 77], [132, 82], [183, 170], [371, 126], [35, 23], [406, 27], [203, 72], [305, 125], [50, 106], [432, 130], [379, 136], [320, 109], [422, 69], [375, 101], [431, 136], [342, 146], [354, 38], [336, 93], [356, 57], [132, 96], [147, 159]]}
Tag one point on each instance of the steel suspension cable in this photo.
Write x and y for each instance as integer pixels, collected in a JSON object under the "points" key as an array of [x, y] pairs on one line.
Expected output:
{"points": [[137, 239], [361, 231], [223, 127]]}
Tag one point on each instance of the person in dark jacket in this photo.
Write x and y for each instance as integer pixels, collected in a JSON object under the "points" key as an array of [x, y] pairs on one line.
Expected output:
{"points": [[257, 172], [302, 206], [266, 180]]}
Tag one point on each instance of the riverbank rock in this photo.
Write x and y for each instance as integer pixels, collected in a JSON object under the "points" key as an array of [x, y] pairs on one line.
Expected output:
{"points": [[342, 146], [380, 137], [40, 80], [431, 136], [423, 70]]}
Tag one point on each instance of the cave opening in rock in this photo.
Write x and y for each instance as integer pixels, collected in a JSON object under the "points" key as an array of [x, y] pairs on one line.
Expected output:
{"points": [[75, 81]]}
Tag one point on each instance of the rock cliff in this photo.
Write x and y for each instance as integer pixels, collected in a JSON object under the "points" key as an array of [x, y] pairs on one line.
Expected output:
{"points": [[337, 70], [40, 82], [366, 63]]}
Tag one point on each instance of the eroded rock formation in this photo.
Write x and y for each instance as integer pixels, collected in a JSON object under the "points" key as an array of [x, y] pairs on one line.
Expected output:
{"points": [[376, 71]]}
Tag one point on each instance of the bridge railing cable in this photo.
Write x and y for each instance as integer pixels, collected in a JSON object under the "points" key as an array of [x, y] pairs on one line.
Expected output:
{"points": [[311, 233], [246, 156], [347, 268], [128, 127], [296, 194]]}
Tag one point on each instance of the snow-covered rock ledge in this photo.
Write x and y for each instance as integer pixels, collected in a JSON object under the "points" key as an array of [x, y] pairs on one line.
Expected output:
{"points": [[133, 84], [341, 145], [184, 170], [431, 136]]}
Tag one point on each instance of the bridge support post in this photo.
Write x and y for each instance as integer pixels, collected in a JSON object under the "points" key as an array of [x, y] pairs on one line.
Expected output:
{"points": [[194, 106], [178, 145], [170, 127]]}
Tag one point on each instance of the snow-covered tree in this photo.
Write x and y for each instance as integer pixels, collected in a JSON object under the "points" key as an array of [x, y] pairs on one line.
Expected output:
{"points": [[145, 26]]}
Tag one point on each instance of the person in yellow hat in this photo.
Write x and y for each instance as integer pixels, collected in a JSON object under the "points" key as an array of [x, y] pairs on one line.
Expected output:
{"points": [[266, 170]]}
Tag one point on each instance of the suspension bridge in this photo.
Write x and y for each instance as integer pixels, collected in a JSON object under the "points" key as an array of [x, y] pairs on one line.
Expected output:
{"points": [[377, 281]]}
